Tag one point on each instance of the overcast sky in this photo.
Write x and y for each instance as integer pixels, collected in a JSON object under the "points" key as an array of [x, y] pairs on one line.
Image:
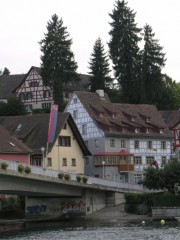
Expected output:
{"points": [[23, 24]]}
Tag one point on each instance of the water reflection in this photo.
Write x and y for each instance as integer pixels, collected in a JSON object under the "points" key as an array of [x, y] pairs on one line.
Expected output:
{"points": [[97, 230]]}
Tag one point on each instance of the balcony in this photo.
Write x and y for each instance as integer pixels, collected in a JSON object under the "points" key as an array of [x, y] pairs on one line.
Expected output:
{"points": [[126, 168]]}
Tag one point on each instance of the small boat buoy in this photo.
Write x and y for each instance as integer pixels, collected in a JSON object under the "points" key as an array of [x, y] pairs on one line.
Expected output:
{"points": [[143, 222], [162, 222]]}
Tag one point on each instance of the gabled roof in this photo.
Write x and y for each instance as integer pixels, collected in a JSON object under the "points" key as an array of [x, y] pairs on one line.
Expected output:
{"points": [[33, 129], [10, 144], [171, 118], [8, 83], [124, 119]]}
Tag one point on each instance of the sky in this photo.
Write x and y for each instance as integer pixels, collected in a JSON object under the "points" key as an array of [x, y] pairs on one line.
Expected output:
{"points": [[23, 24]]}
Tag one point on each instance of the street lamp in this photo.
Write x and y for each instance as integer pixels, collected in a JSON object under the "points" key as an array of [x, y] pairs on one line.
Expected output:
{"points": [[103, 163], [43, 157]]}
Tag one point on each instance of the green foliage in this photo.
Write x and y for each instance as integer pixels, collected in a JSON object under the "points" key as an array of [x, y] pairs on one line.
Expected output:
{"points": [[14, 107], [4, 165], [79, 178], [27, 169], [58, 64], [99, 68], [167, 178], [153, 60], [67, 176], [61, 175], [84, 179], [125, 52], [6, 71], [21, 168]]}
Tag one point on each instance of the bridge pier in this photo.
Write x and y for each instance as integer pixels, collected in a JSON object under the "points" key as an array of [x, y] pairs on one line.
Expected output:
{"points": [[59, 207]]}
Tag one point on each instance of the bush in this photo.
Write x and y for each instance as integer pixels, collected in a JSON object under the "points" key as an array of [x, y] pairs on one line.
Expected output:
{"points": [[27, 169], [85, 179], [61, 175], [21, 168], [4, 165], [67, 176], [79, 178]]}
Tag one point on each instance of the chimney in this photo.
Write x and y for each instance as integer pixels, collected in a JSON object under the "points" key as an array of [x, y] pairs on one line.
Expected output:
{"points": [[100, 92]]}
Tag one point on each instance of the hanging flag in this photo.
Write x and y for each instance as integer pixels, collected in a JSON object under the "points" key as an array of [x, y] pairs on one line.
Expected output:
{"points": [[52, 122]]}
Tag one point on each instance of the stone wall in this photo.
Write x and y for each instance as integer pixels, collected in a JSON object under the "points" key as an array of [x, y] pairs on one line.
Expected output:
{"points": [[165, 212]]}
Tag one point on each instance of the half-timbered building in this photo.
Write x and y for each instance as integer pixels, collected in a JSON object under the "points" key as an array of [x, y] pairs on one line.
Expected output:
{"points": [[123, 138]]}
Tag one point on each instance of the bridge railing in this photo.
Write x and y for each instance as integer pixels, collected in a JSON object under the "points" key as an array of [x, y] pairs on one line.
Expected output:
{"points": [[91, 180]]}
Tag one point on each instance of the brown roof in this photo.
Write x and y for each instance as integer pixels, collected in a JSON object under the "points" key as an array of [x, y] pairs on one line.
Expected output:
{"points": [[171, 118], [33, 129], [10, 144], [113, 117]]}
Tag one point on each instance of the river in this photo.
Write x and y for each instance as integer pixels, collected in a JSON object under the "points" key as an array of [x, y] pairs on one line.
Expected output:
{"points": [[98, 230]]}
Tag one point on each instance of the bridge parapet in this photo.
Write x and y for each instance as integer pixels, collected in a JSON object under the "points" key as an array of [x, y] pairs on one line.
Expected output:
{"points": [[91, 180]]}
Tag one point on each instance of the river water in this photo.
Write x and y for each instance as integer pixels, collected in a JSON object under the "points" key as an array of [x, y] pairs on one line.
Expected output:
{"points": [[98, 230]]}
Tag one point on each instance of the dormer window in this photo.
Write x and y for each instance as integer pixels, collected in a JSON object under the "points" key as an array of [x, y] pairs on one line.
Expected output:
{"points": [[147, 130], [133, 119], [137, 130], [161, 131], [100, 114], [147, 119]]}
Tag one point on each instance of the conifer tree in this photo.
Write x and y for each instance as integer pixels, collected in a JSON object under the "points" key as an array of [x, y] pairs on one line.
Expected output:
{"points": [[6, 71], [58, 64], [153, 60], [124, 51], [99, 68]]}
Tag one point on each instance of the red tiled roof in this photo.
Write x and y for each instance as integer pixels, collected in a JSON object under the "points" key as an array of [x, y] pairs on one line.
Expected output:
{"points": [[121, 153]]}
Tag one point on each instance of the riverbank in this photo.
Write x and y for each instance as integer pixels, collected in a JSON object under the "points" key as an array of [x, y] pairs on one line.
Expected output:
{"points": [[115, 214], [110, 214]]}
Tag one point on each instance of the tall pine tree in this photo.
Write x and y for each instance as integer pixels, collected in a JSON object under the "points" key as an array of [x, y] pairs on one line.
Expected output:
{"points": [[58, 64], [124, 51], [99, 68], [153, 60]]}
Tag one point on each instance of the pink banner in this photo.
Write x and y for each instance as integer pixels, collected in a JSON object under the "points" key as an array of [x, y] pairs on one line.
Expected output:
{"points": [[52, 122]]}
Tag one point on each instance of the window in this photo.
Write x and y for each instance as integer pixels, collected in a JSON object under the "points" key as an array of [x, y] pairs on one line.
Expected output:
{"points": [[46, 105], [137, 177], [64, 141], [75, 114], [112, 142], [137, 160], [149, 160], [73, 162], [46, 94], [49, 162], [136, 144], [137, 130], [149, 144], [147, 130], [96, 141], [33, 84], [163, 145], [19, 126], [29, 107], [29, 96], [65, 126], [122, 143], [163, 160], [64, 162], [84, 129], [74, 100]]}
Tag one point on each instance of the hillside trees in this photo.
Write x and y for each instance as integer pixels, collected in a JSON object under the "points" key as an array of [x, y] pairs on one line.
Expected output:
{"points": [[13, 107], [153, 60], [99, 68], [125, 52], [58, 64]]}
